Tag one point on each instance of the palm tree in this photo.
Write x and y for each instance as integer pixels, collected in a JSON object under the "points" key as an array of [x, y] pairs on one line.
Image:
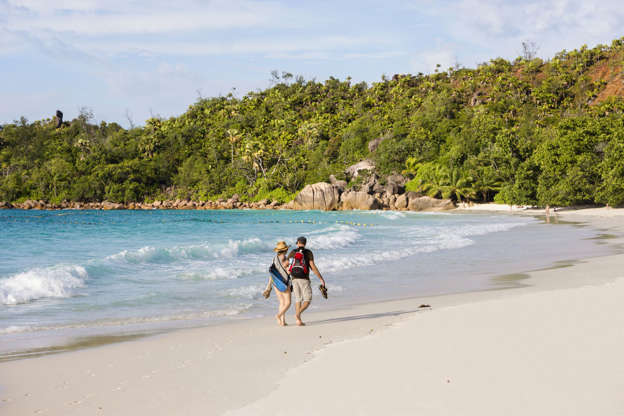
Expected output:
{"points": [[438, 181]]}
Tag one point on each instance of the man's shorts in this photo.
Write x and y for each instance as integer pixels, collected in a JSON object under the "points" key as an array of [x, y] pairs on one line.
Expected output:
{"points": [[302, 290]]}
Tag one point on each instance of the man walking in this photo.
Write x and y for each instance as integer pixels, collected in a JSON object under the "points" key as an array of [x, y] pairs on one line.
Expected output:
{"points": [[303, 261]]}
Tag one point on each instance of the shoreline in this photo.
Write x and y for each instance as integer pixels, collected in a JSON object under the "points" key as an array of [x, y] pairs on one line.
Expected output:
{"points": [[77, 343], [181, 365]]}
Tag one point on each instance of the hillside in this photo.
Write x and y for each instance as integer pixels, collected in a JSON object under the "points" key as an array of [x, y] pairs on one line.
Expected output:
{"points": [[525, 132]]}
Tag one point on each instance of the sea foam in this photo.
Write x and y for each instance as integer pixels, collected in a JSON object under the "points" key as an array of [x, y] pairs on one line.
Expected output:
{"points": [[50, 282], [442, 238], [232, 248], [334, 237]]}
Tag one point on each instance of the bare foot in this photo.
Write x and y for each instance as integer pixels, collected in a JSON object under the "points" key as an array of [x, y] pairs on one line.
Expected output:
{"points": [[300, 322], [279, 320]]}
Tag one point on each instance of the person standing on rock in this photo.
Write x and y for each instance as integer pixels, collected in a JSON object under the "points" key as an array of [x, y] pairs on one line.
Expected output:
{"points": [[302, 262]]}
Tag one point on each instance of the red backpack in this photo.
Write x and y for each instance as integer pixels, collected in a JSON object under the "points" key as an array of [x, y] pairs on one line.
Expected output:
{"points": [[299, 267]]}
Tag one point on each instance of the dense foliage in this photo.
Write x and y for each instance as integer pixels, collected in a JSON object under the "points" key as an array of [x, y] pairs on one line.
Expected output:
{"points": [[528, 131]]}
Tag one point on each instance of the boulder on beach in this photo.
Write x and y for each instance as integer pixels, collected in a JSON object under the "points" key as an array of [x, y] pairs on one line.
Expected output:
{"points": [[395, 184], [426, 203], [321, 195], [401, 202], [359, 200], [107, 205], [340, 184]]}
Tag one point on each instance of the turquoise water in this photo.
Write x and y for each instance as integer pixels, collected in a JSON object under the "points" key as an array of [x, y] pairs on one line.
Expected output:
{"points": [[75, 273]]}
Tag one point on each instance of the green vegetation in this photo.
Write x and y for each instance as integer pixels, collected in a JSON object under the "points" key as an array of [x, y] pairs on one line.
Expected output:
{"points": [[524, 132]]}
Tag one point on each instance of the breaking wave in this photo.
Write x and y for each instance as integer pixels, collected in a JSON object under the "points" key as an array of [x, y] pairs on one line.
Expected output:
{"points": [[442, 238], [334, 237], [231, 249], [50, 282]]}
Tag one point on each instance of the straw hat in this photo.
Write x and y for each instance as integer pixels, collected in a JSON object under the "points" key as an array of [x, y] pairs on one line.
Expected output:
{"points": [[281, 246]]}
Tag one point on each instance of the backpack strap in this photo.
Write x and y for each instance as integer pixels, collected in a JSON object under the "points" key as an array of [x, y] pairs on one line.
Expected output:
{"points": [[280, 268]]}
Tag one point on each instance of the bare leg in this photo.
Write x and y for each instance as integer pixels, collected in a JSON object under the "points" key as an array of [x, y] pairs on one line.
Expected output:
{"points": [[298, 313], [284, 305], [279, 308], [300, 307]]}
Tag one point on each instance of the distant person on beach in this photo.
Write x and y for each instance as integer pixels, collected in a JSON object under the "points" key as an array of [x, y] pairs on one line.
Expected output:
{"points": [[302, 262], [280, 280]]}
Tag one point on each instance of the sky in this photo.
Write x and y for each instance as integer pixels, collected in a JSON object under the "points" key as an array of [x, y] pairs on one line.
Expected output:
{"points": [[128, 60]]}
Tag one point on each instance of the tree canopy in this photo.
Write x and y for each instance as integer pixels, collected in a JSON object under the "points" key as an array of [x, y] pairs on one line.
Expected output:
{"points": [[524, 132]]}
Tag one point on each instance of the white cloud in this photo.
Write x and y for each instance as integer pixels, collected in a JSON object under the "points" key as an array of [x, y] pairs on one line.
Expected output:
{"points": [[117, 28], [271, 47], [48, 6], [554, 25], [114, 17]]}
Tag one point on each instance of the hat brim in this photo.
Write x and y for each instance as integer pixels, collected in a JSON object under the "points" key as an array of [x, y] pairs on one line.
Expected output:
{"points": [[276, 249]]}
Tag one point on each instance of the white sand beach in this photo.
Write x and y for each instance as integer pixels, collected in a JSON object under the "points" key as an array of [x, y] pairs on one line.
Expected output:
{"points": [[552, 346]]}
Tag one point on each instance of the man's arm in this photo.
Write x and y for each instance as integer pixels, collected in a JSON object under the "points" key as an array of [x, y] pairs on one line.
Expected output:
{"points": [[316, 271]]}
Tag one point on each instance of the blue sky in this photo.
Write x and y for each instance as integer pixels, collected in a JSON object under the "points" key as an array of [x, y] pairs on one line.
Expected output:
{"points": [[143, 58]]}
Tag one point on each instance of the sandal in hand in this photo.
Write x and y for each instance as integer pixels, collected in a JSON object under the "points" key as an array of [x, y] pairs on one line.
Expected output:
{"points": [[323, 290]]}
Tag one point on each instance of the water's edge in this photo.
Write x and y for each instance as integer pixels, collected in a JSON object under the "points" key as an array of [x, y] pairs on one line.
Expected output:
{"points": [[506, 281]]}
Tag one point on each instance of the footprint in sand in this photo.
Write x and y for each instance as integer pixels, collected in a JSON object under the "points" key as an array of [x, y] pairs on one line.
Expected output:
{"points": [[122, 384], [63, 386], [152, 373]]}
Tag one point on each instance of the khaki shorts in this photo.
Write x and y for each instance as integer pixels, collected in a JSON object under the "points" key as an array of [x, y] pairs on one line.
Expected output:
{"points": [[302, 290]]}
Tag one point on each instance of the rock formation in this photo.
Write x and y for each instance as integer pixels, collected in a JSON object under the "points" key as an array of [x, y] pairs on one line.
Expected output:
{"points": [[322, 195], [353, 170], [359, 200], [341, 185], [426, 203]]}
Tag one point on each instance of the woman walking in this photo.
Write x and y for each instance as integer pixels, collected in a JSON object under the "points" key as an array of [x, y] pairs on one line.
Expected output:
{"points": [[280, 280]]}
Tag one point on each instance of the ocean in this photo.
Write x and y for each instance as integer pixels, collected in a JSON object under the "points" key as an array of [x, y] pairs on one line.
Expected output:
{"points": [[71, 274]]}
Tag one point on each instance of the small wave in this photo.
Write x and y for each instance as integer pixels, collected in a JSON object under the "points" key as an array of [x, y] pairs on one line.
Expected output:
{"points": [[231, 249], [51, 282], [247, 292], [390, 215], [219, 273], [334, 237], [482, 229], [15, 329], [442, 238], [332, 288]]}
